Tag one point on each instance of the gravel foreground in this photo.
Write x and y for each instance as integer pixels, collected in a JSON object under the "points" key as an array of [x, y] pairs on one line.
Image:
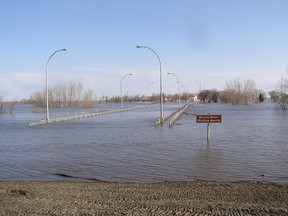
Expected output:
{"points": [[167, 198]]}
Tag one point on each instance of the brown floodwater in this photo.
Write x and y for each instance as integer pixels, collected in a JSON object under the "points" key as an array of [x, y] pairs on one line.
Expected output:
{"points": [[251, 143]]}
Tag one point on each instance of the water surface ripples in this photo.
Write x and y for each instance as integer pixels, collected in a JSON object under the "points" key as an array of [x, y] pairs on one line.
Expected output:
{"points": [[249, 144]]}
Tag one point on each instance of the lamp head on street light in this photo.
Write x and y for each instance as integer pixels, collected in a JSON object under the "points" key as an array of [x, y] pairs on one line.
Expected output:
{"points": [[139, 46], [168, 73], [64, 49]]}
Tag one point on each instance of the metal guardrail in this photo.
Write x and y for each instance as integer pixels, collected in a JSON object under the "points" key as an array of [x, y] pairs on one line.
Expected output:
{"points": [[81, 116], [182, 110]]}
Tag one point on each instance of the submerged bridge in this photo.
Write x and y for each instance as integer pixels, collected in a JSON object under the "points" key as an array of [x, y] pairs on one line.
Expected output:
{"points": [[176, 115]]}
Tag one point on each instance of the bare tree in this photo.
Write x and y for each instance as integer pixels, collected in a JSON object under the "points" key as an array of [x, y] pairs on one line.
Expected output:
{"points": [[89, 99], [74, 91], [233, 89], [63, 92], [57, 94], [224, 96], [281, 93], [260, 95], [51, 94], [239, 93], [1, 104], [249, 91], [213, 95], [273, 95], [115, 99], [209, 95], [11, 105], [38, 98]]}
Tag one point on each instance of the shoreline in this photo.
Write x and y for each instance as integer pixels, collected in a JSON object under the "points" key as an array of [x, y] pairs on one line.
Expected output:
{"points": [[166, 198]]}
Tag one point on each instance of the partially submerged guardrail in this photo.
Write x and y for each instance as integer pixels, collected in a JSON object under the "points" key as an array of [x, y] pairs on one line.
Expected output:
{"points": [[179, 114], [184, 107], [81, 116]]}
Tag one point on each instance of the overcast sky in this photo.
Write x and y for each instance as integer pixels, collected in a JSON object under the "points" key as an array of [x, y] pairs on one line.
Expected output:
{"points": [[209, 41]]}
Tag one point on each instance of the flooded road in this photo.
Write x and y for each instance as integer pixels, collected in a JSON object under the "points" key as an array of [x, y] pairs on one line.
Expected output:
{"points": [[251, 143]]}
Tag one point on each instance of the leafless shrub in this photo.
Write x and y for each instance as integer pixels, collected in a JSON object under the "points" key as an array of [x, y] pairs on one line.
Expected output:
{"points": [[1, 104], [11, 105], [88, 100], [64, 94], [239, 93], [280, 95]]}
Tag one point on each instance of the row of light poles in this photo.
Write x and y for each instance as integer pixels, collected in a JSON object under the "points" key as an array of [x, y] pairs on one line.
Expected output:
{"points": [[161, 85], [148, 84]]}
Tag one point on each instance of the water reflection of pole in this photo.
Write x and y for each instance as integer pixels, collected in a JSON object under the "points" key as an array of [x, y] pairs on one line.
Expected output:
{"points": [[147, 87], [161, 88], [121, 89], [47, 93]]}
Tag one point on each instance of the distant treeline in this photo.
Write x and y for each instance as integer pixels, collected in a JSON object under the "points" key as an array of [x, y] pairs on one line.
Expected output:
{"points": [[73, 94], [235, 92]]}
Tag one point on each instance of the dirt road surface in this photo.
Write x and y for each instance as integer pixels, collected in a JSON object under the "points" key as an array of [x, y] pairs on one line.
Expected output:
{"points": [[167, 198]]}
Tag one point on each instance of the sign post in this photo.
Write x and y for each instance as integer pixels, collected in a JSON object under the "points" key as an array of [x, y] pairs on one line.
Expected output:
{"points": [[208, 131], [208, 119]]}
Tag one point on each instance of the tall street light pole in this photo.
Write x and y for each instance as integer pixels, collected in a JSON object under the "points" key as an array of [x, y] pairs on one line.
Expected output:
{"points": [[47, 93], [178, 88], [199, 90], [147, 87], [185, 91], [161, 94], [121, 89], [199, 86]]}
